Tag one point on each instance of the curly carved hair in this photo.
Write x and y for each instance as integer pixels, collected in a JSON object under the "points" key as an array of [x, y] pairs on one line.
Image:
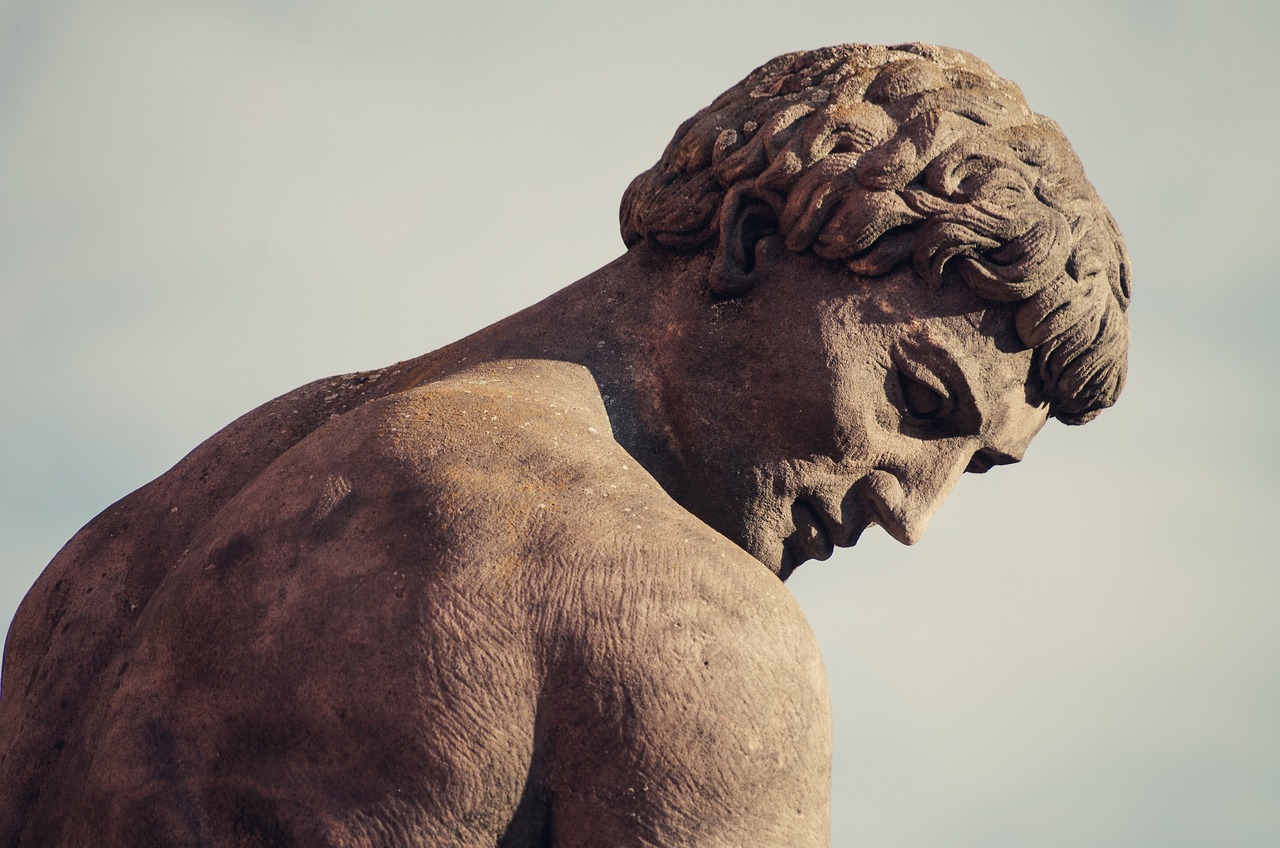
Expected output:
{"points": [[875, 157]]}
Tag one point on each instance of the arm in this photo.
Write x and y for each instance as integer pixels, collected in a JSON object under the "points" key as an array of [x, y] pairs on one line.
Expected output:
{"points": [[690, 708]]}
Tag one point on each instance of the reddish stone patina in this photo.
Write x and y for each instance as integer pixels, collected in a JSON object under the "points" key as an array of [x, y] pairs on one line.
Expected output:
{"points": [[524, 590]]}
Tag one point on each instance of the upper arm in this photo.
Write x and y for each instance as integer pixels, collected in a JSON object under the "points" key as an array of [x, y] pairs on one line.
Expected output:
{"points": [[690, 708]]}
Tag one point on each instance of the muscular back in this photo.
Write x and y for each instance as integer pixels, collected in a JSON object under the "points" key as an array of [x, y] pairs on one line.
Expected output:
{"points": [[87, 602], [453, 614]]}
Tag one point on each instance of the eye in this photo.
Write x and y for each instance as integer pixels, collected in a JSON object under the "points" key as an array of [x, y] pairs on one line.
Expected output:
{"points": [[924, 396], [920, 400]]}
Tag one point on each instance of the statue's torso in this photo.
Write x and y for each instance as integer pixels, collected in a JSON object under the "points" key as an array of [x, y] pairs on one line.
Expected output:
{"points": [[459, 612]]}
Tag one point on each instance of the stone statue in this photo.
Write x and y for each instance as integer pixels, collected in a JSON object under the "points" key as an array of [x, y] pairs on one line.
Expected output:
{"points": [[526, 590]]}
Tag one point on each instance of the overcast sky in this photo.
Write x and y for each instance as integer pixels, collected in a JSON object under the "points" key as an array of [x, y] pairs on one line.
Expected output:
{"points": [[206, 204]]}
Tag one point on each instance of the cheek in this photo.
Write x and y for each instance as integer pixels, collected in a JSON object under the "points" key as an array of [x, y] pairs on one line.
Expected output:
{"points": [[865, 418], [814, 419], [859, 366]]}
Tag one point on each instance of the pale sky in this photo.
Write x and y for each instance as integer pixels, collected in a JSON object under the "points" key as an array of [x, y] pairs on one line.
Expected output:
{"points": [[205, 204]]}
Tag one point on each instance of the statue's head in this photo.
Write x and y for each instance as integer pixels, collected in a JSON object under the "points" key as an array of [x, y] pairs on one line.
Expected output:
{"points": [[978, 264]]}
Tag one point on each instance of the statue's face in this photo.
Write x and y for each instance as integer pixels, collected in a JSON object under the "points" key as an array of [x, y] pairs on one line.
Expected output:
{"points": [[826, 404]]}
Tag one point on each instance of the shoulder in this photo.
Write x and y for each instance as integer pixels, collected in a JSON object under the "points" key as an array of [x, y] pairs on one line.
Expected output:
{"points": [[688, 703], [515, 488], [471, 454]]}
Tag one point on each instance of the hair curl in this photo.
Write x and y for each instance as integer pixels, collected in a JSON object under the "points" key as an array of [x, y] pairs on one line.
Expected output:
{"points": [[879, 156]]}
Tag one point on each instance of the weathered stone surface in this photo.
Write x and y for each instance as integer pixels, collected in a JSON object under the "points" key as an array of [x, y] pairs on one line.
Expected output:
{"points": [[524, 589]]}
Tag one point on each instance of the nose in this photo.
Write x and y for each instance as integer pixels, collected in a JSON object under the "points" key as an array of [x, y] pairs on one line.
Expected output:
{"points": [[907, 493]]}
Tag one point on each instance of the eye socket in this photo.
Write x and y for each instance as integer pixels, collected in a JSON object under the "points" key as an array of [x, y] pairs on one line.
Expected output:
{"points": [[924, 396]]}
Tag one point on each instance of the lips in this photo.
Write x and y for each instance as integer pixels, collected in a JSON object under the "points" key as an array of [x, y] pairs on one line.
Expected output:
{"points": [[818, 533]]}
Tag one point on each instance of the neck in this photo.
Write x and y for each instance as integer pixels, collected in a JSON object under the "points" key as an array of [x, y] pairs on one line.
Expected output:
{"points": [[616, 323]]}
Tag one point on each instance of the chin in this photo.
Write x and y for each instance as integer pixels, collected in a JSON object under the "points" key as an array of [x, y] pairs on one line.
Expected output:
{"points": [[787, 565]]}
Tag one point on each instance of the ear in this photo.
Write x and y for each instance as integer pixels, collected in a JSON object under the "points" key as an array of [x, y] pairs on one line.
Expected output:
{"points": [[748, 240]]}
